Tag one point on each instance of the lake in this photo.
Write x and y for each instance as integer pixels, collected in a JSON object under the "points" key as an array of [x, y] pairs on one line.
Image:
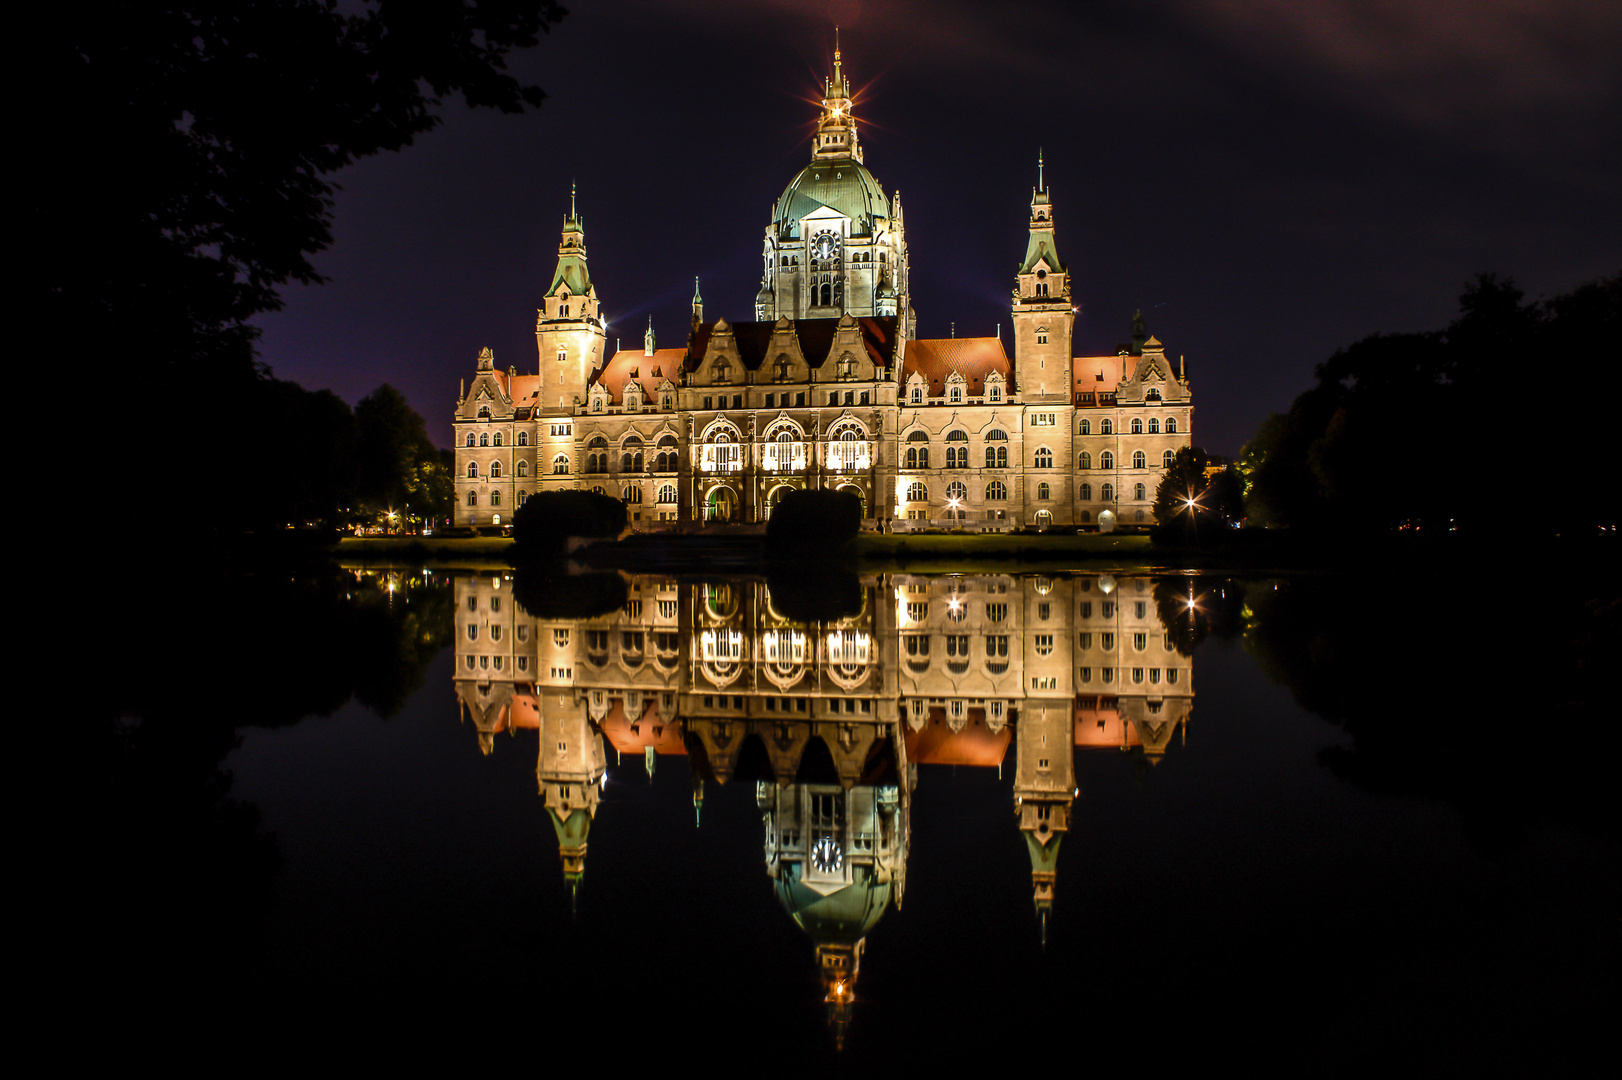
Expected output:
{"points": [[826, 821]]}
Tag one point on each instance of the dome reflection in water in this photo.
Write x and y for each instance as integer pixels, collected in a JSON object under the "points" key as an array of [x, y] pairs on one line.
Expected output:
{"points": [[830, 720]]}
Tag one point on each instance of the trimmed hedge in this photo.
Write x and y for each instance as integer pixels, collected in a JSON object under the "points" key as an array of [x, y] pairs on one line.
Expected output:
{"points": [[810, 521], [546, 521]]}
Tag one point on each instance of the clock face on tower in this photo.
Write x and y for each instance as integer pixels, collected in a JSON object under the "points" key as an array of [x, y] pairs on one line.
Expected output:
{"points": [[827, 856], [824, 246]]}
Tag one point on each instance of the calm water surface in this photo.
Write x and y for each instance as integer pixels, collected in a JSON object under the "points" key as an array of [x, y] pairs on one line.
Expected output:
{"points": [[1110, 819]]}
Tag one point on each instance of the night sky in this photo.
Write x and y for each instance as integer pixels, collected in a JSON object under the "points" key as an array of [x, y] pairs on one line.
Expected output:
{"points": [[1267, 179]]}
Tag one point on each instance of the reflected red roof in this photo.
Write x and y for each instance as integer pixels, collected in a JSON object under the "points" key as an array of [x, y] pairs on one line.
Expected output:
{"points": [[937, 744], [650, 729], [973, 358], [1099, 725]]}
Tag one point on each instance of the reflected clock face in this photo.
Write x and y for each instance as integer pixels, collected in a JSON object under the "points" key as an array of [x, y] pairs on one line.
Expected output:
{"points": [[826, 855], [823, 246]]}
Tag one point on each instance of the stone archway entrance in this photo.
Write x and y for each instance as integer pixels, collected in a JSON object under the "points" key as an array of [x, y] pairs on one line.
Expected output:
{"points": [[720, 505]]}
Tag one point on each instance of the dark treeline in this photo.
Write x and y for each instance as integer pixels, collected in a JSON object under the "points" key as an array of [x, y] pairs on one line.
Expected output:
{"points": [[190, 148], [1487, 425]]}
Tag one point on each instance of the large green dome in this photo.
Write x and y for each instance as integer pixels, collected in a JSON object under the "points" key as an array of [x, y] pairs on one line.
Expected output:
{"points": [[843, 184], [843, 916]]}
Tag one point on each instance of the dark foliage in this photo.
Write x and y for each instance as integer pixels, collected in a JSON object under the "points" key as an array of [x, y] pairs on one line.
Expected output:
{"points": [[814, 521], [1217, 498], [545, 523], [1392, 435], [189, 149], [547, 590]]}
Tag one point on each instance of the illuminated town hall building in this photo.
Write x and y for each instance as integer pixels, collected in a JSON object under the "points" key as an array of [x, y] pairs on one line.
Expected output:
{"points": [[828, 387], [831, 721]]}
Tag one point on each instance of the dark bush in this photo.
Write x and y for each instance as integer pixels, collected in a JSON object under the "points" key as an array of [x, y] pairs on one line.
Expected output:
{"points": [[814, 521], [544, 524]]}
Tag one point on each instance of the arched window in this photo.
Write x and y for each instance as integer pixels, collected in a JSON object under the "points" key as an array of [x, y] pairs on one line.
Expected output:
{"points": [[1044, 491], [1139, 491], [484, 438], [1106, 460], [1085, 461], [1086, 516], [956, 393], [917, 395], [1152, 395], [994, 393], [560, 465], [484, 412], [1085, 493], [1154, 425], [632, 494], [495, 498], [523, 438], [1044, 458], [1106, 427], [1086, 427], [597, 455], [473, 470], [523, 496], [1166, 459], [996, 457], [1171, 425], [917, 493], [1107, 493], [667, 494], [498, 438], [1139, 461], [470, 438], [495, 470], [957, 490], [957, 456], [1137, 426], [523, 468], [473, 498], [996, 491]]}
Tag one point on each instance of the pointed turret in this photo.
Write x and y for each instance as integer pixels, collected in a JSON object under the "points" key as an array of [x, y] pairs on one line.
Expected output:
{"points": [[1043, 317], [570, 335], [698, 304], [647, 339], [1140, 333], [836, 127]]}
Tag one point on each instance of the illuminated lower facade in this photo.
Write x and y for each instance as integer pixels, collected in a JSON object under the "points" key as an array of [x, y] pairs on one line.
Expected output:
{"points": [[830, 721], [828, 386]]}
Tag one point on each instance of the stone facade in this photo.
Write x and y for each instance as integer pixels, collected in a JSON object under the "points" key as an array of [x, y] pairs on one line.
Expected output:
{"points": [[828, 387]]}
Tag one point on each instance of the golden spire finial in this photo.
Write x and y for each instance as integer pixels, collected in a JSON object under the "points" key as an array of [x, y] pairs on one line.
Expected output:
{"points": [[571, 199], [1041, 181]]}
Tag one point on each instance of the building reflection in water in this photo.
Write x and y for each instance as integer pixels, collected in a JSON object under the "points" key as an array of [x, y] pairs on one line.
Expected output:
{"points": [[832, 719]]}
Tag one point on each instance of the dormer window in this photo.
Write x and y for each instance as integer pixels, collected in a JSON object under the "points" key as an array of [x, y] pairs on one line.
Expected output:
{"points": [[723, 371], [956, 393], [917, 395]]}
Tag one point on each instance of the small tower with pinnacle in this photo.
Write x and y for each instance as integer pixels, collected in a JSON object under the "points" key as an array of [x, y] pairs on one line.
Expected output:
{"points": [[1043, 316], [570, 335]]}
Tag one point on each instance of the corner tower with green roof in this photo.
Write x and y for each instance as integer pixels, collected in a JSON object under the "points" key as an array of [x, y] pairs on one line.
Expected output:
{"points": [[570, 335], [836, 243]]}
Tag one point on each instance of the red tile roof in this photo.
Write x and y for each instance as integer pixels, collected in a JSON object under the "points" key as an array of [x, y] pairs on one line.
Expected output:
{"points": [[648, 371], [973, 358]]}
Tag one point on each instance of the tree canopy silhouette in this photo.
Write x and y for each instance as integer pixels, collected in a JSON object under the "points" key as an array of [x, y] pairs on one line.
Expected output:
{"points": [[189, 149]]}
